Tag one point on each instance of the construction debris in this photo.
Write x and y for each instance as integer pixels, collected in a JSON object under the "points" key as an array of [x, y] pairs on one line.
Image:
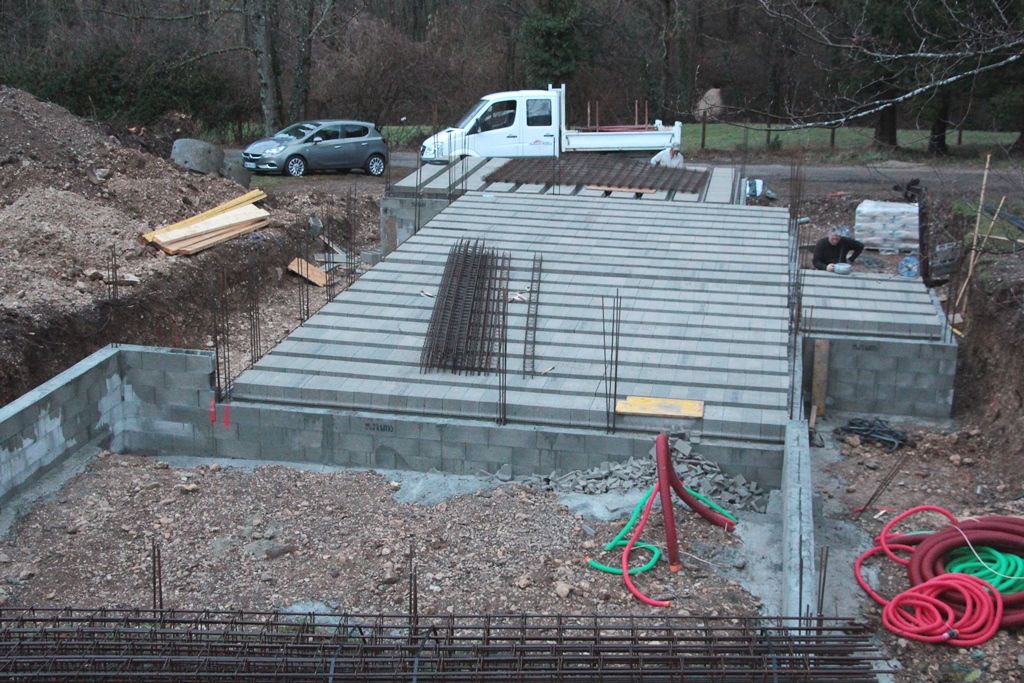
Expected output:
{"points": [[699, 474], [210, 228]]}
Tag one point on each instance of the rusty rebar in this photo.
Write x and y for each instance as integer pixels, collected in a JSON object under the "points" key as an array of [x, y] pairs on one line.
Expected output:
{"points": [[80, 644]]}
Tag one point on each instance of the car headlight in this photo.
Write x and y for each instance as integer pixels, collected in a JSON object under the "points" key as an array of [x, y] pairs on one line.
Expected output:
{"points": [[273, 150]]}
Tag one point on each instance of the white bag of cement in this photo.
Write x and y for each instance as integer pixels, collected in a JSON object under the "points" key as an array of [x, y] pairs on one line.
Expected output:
{"points": [[887, 225]]}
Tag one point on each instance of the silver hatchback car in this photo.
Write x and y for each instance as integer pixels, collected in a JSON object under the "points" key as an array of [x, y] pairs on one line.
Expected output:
{"points": [[319, 145]]}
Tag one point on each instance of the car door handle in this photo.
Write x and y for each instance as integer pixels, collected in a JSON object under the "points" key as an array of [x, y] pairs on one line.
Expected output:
{"points": [[364, 144], [549, 135], [511, 136]]}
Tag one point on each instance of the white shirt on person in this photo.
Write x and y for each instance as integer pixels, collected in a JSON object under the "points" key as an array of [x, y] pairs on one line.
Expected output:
{"points": [[667, 159]]}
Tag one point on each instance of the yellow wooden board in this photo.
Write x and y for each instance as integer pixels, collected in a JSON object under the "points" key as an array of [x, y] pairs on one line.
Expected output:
{"points": [[247, 198], [659, 407], [305, 269]]}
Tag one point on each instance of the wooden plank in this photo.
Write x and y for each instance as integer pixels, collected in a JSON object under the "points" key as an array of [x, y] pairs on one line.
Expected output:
{"points": [[819, 376], [304, 268], [235, 216], [653, 406], [206, 241], [247, 198]]}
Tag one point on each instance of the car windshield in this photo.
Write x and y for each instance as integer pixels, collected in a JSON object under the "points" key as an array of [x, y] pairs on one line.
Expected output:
{"points": [[471, 114], [296, 132]]}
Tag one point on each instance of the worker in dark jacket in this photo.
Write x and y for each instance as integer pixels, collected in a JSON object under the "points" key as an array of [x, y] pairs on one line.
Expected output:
{"points": [[835, 249]]}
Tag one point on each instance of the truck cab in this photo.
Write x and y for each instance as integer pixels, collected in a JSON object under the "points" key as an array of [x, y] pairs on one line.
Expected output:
{"points": [[519, 123]]}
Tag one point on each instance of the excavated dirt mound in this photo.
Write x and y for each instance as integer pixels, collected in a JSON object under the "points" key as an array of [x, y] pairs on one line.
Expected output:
{"points": [[71, 200]]}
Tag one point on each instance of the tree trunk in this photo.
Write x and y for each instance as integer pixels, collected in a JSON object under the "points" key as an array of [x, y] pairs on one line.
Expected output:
{"points": [[266, 64], [303, 62], [937, 138], [667, 30], [885, 129]]}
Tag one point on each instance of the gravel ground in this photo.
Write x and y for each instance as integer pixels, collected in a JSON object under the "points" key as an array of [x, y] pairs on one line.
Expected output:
{"points": [[273, 536]]}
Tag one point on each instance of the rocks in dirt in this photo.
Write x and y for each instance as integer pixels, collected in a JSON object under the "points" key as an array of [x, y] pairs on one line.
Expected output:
{"points": [[267, 550], [523, 582], [93, 274], [562, 589], [699, 474], [197, 155]]}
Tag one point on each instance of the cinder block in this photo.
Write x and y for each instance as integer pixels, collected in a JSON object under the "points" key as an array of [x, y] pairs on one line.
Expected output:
{"points": [[490, 454], [234, 448], [512, 436], [180, 396], [189, 379], [572, 460]]}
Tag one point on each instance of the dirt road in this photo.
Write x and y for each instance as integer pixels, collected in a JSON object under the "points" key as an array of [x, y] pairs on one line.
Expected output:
{"points": [[876, 179]]}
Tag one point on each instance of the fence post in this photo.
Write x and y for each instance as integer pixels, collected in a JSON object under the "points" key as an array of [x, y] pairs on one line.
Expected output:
{"points": [[832, 138], [768, 136], [959, 136], [703, 129]]}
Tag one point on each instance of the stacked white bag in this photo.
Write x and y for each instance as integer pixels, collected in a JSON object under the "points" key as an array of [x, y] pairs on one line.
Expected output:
{"points": [[887, 225]]}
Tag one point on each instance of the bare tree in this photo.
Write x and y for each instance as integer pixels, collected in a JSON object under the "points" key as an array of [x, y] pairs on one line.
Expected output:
{"points": [[901, 51]]}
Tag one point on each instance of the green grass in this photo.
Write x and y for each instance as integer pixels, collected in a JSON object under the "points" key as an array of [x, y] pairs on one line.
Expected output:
{"points": [[999, 230], [406, 137], [730, 137]]}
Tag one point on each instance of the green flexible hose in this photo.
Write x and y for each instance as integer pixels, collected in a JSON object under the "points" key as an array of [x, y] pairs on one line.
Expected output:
{"points": [[620, 542], [712, 504], [1005, 571]]}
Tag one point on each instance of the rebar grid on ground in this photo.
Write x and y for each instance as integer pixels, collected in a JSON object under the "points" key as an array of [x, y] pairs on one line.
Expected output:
{"points": [[532, 306], [77, 644], [464, 331], [601, 171]]}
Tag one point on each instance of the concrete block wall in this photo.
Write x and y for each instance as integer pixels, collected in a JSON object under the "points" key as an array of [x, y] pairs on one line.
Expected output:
{"points": [[159, 401], [167, 401], [399, 218], [886, 376], [42, 427]]}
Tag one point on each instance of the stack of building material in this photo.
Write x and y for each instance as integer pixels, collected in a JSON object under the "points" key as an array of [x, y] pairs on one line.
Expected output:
{"points": [[887, 225], [210, 228]]}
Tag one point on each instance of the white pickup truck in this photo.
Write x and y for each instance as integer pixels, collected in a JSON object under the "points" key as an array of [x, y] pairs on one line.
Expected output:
{"points": [[531, 123]]}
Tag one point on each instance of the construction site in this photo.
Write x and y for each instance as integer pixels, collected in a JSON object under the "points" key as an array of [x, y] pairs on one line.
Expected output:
{"points": [[568, 418]]}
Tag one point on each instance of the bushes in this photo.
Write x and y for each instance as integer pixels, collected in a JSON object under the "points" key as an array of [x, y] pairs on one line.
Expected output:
{"points": [[109, 83]]}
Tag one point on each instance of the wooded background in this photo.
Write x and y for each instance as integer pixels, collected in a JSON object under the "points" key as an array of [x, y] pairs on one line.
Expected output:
{"points": [[230, 64]]}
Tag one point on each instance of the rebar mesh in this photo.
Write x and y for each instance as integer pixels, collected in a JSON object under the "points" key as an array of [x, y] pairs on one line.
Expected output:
{"points": [[465, 326], [600, 171], [78, 645]]}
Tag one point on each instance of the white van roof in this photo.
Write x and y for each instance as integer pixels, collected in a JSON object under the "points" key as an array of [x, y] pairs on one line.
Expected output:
{"points": [[519, 93]]}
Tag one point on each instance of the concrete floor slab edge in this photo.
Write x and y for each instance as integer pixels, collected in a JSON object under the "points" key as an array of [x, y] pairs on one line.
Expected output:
{"points": [[798, 556]]}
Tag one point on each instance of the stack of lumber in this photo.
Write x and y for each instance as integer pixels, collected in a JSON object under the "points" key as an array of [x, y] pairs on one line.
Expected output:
{"points": [[210, 228]]}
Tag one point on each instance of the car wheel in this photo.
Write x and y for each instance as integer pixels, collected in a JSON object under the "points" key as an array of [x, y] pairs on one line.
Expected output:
{"points": [[295, 166], [375, 165]]}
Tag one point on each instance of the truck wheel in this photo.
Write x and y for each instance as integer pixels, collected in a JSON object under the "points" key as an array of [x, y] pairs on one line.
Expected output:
{"points": [[295, 166], [375, 165]]}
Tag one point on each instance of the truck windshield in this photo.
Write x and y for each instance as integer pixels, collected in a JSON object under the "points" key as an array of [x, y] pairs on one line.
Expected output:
{"points": [[471, 114]]}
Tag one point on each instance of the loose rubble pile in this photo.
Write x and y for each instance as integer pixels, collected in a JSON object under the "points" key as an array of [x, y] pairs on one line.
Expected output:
{"points": [[698, 473]]}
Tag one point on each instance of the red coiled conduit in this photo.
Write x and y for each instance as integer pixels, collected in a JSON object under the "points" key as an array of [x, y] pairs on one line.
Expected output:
{"points": [[970, 610]]}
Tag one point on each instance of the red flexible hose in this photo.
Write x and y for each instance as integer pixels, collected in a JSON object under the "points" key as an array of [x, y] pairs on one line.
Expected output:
{"points": [[920, 614], [942, 607], [667, 509], [662, 451], [629, 547]]}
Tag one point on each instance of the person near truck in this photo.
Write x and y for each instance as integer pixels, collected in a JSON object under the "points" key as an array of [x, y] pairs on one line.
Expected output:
{"points": [[670, 157], [835, 248]]}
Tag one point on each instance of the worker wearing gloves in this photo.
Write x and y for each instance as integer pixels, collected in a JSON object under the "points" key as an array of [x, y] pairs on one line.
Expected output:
{"points": [[836, 249], [670, 157]]}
